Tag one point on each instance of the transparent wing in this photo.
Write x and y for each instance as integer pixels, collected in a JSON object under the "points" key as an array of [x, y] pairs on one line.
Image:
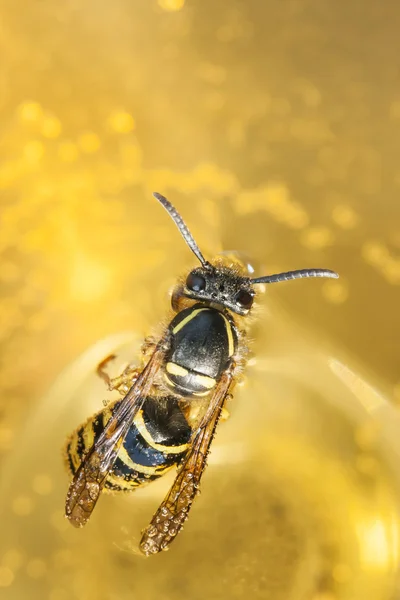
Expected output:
{"points": [[91, 476], [173, 512]]}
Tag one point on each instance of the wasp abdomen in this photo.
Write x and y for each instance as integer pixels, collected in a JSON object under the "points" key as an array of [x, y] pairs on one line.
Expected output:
{"points": [[203, 340], [156, 441]]}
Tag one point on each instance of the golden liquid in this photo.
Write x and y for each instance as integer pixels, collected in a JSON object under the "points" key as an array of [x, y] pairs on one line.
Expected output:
{"points": [[272, 127]]}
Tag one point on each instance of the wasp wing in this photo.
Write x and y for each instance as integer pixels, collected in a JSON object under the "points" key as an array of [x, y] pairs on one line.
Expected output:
{"points": [[91, 475], [173, 512]]}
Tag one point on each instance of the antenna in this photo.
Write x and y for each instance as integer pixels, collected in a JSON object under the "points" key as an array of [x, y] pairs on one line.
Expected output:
{"points": [[187, 236], [300, 274]]}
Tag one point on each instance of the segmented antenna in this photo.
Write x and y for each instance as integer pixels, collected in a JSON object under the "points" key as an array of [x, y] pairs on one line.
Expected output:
{"points": [[300, 274], [187, 236]]}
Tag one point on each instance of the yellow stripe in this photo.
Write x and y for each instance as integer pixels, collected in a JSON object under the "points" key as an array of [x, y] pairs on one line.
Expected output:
{"points": [[187, 319], [175, 369], [231, 342], [167, 379], [126, 459], [73, 449], [173, 385], [88, 435], [140, 424], [129, 485], [204, 380], [201, 393], [124, 484]]}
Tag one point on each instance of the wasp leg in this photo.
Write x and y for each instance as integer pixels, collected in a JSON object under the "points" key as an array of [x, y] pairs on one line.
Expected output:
{"points": [[149, 344], [123, 382], [101, 369]]}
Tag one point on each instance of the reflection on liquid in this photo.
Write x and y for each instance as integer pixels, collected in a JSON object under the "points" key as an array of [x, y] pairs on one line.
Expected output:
{"points": [[300, 499], [370, 398]]}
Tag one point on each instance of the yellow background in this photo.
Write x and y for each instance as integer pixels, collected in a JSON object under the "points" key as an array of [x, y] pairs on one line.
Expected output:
{"points": [[273, 127]]}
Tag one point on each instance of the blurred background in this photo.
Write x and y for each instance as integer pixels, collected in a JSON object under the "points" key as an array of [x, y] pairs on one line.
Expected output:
{"points": [[274, 128]]}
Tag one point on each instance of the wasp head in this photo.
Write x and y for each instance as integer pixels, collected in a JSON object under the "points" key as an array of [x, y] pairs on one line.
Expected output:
{"points": [[221, 286]]}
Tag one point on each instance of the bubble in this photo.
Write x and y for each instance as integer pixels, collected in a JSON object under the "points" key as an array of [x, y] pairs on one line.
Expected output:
{"points": [[121, 121], [89, 280], [374, 252], [89, 142], [36, 568], [30, 111], [22, 506], [171, 5], [6, 576], [42, 484], [316, 238], [33, 151], [297, 218], [344, 216], [391, 271], [51, 127], [335, 292]]}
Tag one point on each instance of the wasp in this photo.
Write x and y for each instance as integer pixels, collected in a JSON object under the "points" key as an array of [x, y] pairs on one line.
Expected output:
{"points": [[195, 361]]}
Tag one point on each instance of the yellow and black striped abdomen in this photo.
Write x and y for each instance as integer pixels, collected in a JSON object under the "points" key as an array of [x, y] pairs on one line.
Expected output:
{"points": [[156, 441]]}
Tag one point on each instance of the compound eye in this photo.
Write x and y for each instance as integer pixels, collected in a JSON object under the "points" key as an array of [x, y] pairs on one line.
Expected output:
{"points": [[244, 299], [195, 282]]}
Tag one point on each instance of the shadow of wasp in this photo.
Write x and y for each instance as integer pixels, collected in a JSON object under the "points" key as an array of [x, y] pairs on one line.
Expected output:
{"points": [[140, 437]]}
